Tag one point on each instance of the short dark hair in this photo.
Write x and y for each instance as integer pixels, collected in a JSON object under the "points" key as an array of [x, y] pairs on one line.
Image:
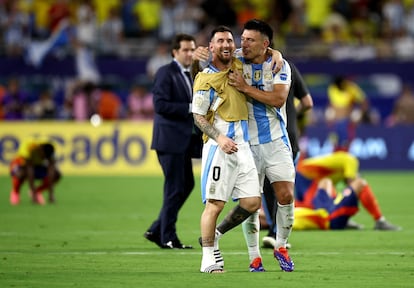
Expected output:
{"points": [[48, 150], [176, 41], [220, 28], [261, 26]]}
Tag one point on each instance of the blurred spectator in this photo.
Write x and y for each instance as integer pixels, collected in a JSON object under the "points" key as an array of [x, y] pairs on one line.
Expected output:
{"points": [[45, 107], [167, 23], [403, 45], [112, 35], [59, 10], [393, 12], [86, 42], [40, 10], [189, 17], [15, 102], [220, 12], [103, 9], [403, 111], [65, 111], [140, 106], [2, 94], [245, 12], [335, 32], [14, 24], [161, 57], [129, 20], [347, 105], [409, 19], [148, 16], [316, 14], [109, 105], [81, 95]]}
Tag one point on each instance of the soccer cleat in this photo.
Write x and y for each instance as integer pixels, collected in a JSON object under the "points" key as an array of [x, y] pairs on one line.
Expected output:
{"points": [[212, 269], [14, 198], [219, 259], [352, 225], [256, 265], [385, 226], [286, 264], [176, 244], [37, 198]]}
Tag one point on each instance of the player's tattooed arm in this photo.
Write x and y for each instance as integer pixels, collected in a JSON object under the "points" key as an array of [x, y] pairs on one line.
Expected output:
{"points": [[226, 144], [205, 126]]}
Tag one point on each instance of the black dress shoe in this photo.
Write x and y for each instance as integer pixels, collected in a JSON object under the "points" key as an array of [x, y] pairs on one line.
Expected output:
{"points": [[153, 238], [175, 245]]}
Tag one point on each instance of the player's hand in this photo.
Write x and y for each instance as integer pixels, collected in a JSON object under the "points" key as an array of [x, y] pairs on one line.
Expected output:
{"points": [[227, 145], [236, 80], [201, 54], [277, 59]]}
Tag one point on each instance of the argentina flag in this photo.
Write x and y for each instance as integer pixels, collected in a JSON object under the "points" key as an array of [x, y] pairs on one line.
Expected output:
{"points": [[38, 50]]}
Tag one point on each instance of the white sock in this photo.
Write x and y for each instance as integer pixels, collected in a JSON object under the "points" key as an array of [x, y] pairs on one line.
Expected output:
{"points": [[208, 258], [251, 228], [284, 222], [217, 238], [381, 219]]}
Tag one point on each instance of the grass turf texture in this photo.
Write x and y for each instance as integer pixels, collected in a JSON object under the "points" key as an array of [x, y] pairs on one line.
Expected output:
{"points": [[92, 237]]}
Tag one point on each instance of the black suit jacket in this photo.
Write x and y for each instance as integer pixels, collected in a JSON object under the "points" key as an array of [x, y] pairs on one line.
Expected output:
{"points": [[173, 123]]}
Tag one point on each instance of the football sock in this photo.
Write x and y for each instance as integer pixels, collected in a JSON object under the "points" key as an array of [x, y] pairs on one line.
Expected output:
{"points": [[235, 217], [217, 237], [251, 227], [284, 222], [16, 184], [43, 186], [208, 257], [368, 200]]}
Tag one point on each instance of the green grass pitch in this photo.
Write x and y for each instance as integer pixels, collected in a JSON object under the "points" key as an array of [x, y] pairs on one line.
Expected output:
{"points": [[93, 237]]}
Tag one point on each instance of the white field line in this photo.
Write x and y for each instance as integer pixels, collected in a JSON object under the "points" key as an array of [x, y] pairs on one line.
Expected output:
{"points": [[149, 253]]}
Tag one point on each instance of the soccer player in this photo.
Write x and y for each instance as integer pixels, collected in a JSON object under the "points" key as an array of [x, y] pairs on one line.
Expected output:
{"points": [[298, 92], [267, 94], [34, 160], [319, 205], [202, 54], [228, 167]]}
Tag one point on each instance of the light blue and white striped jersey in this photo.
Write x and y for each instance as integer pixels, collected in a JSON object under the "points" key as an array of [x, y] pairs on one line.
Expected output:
{"points": [[266, 123], [203, 101]]}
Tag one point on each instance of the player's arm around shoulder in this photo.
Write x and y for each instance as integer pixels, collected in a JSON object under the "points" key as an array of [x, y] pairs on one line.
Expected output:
{"points": [[275, 98]]}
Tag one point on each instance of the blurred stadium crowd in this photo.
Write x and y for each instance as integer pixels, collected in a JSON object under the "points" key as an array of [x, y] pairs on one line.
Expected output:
{"points": [[125, 29]]}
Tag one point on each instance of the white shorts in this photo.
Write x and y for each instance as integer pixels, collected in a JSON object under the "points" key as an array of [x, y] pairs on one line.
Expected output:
{"points": [[274, 160], [225, 176]]}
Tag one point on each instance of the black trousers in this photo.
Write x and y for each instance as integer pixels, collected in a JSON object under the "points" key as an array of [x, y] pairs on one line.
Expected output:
{"points": [[178, 184]]}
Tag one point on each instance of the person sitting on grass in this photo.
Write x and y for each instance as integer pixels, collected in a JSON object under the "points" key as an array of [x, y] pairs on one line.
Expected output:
{"points": [[319, 206]]}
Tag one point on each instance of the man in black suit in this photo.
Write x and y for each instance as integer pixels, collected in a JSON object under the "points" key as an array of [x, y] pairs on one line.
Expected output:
{"points": [[174, 139]]}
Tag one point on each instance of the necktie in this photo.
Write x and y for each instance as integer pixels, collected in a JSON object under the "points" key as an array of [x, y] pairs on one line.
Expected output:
{"points": [[187, 73], [189, 82]]}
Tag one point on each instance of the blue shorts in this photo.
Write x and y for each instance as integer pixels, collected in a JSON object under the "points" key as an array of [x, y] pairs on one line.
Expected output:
{"points": [[40, 172], [340, 209]]}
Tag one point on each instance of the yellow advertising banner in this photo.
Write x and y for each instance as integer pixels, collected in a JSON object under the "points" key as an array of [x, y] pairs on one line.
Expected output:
{"points": [[111, 148]]}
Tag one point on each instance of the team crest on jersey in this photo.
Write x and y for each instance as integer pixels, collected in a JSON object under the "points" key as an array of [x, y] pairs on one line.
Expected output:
{"points": [[268, 76], [257, 75]]}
